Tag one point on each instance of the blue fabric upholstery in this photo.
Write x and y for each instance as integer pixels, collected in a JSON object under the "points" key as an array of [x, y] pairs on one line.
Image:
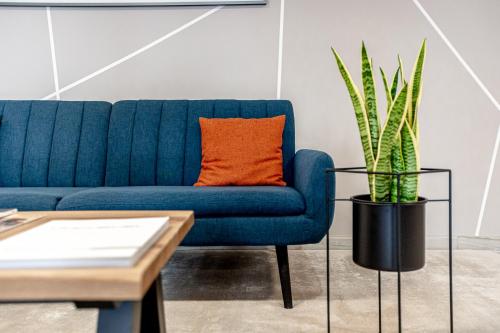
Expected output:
{"points": [[255, 230], [309, 170], [146, 155], [15, 117], [51, 143], [158, 142], [310, 166], [205, 201], [34, 198]]}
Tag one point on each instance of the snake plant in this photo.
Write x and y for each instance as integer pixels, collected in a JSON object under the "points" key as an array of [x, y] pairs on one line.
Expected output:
{"points": [[393, 147]]}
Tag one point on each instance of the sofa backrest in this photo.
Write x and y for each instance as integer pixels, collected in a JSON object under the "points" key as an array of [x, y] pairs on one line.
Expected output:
{"points": [[158, 142], [52, 143], [137, 143]]}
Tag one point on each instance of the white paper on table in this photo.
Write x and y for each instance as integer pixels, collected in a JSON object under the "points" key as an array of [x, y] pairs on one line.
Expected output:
{"points": [[82, 243]]}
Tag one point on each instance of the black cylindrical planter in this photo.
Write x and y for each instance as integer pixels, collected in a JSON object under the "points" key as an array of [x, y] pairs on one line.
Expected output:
{"points": [[374, 239]]}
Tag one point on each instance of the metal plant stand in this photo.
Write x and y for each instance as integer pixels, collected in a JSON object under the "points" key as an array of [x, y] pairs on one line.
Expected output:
{"points": [[330, 197]]}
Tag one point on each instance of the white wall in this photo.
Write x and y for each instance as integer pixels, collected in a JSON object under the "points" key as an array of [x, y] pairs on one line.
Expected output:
{"points": [[233, 53]]}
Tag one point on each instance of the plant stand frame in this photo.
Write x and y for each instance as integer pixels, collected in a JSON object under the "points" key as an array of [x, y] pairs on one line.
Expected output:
{"points": [[330, 198]]}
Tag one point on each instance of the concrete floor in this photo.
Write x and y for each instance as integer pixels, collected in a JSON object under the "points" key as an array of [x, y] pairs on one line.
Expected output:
{"points": [[238, 291]]}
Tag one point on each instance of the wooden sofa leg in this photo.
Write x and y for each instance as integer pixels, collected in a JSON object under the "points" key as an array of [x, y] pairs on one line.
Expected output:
{"points": [[286, 287]]}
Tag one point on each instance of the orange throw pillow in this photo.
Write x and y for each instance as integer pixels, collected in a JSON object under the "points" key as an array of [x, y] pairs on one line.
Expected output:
{"points": [[237, 151]]}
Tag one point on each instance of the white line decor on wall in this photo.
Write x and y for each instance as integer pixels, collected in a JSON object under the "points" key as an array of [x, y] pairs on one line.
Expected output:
{"points": [[133, 54], [490, 97], [53, 53], [122, 3], [488, 183], [280, 50], [457, 55]]}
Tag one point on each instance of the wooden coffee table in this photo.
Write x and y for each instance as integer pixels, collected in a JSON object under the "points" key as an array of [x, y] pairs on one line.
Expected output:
{"points": [[128, 299]]}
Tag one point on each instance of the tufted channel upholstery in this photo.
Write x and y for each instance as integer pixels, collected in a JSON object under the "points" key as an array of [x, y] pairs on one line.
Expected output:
{"points": [[148, 139], [54, 144], [146, 154]]}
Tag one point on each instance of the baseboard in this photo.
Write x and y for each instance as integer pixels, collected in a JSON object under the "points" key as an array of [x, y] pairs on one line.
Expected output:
{"points": [[479, 243], [345, 243], [432, 243]]}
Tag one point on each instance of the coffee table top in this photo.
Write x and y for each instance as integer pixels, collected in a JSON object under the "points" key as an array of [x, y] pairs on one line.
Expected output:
{"points": [[93, 284]]}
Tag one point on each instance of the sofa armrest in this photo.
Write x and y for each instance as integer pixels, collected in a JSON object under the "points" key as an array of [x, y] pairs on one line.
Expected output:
{"points": [[310, 181]]}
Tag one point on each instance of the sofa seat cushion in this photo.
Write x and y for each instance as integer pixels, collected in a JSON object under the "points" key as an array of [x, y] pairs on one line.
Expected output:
{"points": [[254, 231], [205, 201], [34, 198]]}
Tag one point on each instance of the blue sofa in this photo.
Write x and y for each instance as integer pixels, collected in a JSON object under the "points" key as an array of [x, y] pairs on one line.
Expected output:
{"points": [[146, 155]]}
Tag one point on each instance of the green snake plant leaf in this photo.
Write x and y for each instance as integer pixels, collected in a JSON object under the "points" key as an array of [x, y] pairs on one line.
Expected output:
{"points": [[401, 70], [381, 186], [416, 87], [397, 161], [398, 165], [409, 148], [416, 129], [370, 98], [360, 112], [388, 95], [394, 86]]}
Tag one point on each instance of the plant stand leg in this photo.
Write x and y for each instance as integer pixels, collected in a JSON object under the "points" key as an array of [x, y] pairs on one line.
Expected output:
{"points": [[450, 251], [327, 225], [398, 236], [399, 303], [328, 279], [379, 304]]}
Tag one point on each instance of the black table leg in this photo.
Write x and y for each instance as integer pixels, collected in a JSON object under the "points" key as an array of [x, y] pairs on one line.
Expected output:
{"points": [[125, 318], [153, 318], [145, 316]]}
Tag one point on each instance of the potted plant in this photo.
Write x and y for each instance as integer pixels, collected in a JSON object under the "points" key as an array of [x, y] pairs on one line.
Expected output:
{"points": [[389, 150]]}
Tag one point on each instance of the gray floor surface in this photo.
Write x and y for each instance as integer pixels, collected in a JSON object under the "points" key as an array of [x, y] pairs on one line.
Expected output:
{"points": [[239, 291]]}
